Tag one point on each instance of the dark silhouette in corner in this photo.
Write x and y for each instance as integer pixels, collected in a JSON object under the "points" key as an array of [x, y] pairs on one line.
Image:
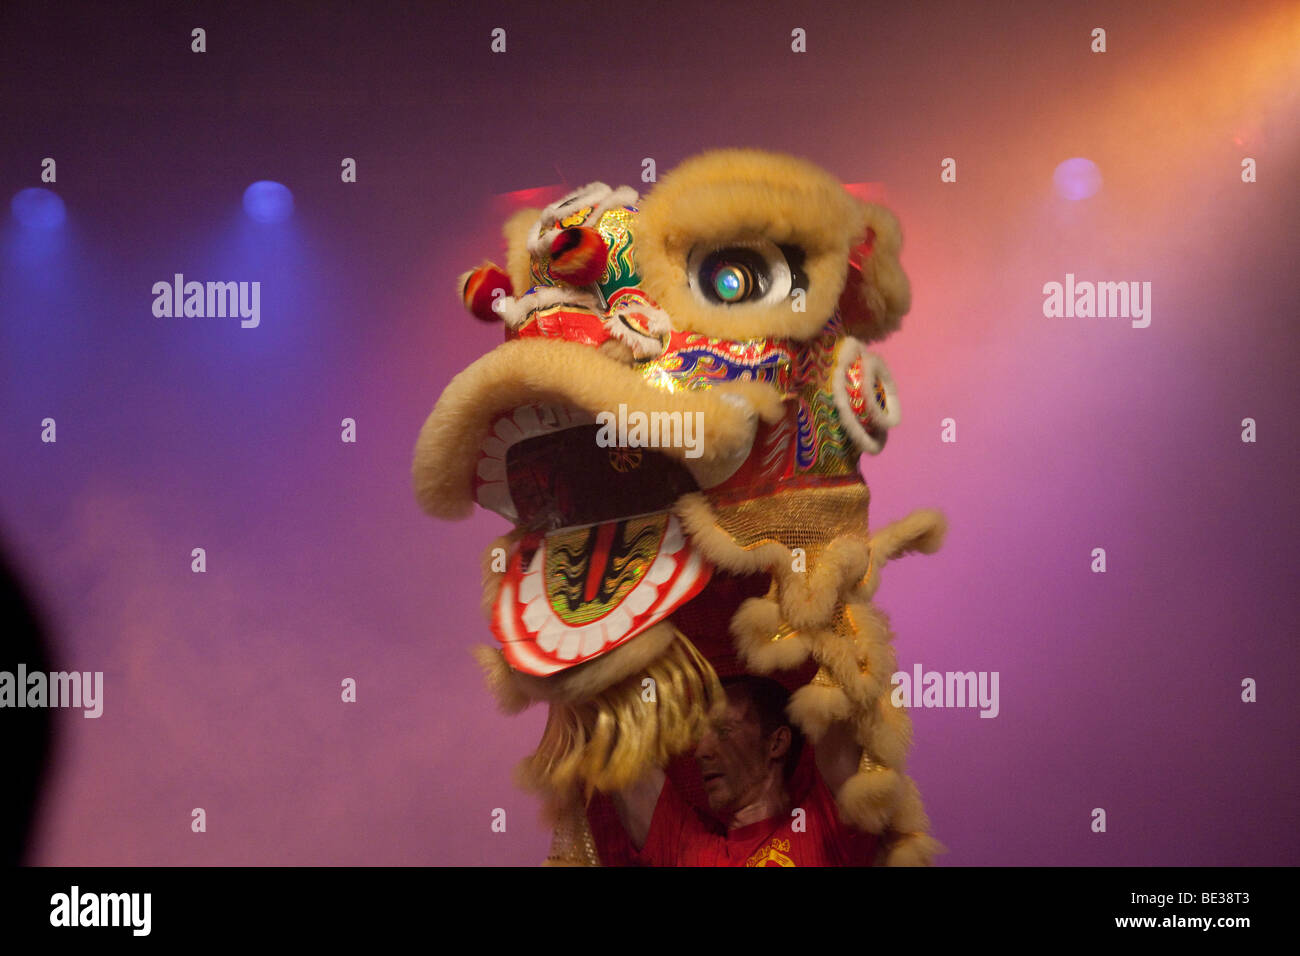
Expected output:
{"points": [[27, 733]]}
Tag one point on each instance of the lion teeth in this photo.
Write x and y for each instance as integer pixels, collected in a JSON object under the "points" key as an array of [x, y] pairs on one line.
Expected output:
{"points": [[526, 421]]}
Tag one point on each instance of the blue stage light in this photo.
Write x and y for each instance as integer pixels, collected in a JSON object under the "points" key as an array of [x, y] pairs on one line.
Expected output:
{"points": [[38, 208], [1077, 178], [267, 201]]}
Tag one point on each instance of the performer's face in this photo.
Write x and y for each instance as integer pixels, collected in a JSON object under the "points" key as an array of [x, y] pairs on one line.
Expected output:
{"points": [[734, 757]]}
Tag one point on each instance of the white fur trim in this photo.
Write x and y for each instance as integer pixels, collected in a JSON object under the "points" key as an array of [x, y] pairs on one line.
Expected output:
{"points": [[643, 346], [597, 195], [873, 366], [516, 310]]}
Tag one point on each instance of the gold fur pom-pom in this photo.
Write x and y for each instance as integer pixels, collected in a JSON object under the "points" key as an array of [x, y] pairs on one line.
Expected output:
{"points": [[814, 707], [867, 798]]}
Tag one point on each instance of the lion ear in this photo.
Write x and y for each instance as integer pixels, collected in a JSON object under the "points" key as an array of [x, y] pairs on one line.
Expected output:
{"points": [[876, 292], [518, 229]]}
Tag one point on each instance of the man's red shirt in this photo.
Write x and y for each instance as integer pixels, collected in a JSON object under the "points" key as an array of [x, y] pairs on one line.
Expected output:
{"points": [[683, 835]]}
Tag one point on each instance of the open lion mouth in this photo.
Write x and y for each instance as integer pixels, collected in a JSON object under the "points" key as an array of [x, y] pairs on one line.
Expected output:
{"points": [[601, 557], [598, 554], [543, 468]]}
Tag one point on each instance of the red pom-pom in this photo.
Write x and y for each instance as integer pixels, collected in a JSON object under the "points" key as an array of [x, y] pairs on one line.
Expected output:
{"points": [[578, 256], [480, 288]]}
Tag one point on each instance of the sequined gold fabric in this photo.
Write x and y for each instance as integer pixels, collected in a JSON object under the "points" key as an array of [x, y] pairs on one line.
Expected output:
{"points": [[572, 843], [808, 518], [867, 764], [783, 631], [823, 679]]}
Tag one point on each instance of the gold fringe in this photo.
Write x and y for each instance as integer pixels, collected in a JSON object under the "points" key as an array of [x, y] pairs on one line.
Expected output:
{"points": [[606, 742]]}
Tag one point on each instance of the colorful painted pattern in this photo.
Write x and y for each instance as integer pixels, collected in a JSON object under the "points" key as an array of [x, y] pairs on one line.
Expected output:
{"points": [[698, 361], [823, 448], [615, 227], [575, 594], [853, 388], [867, 393], [590, 570]]}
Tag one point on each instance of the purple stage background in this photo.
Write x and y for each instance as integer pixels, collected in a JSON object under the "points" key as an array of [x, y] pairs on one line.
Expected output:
{"points": [[1119, 690]]}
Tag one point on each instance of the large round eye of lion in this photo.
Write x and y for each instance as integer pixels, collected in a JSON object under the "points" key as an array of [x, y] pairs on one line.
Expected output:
{"points": [[744, 271]]}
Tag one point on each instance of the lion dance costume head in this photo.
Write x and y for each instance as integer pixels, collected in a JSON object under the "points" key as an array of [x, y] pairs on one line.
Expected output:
{"points": [[673, 426]]}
